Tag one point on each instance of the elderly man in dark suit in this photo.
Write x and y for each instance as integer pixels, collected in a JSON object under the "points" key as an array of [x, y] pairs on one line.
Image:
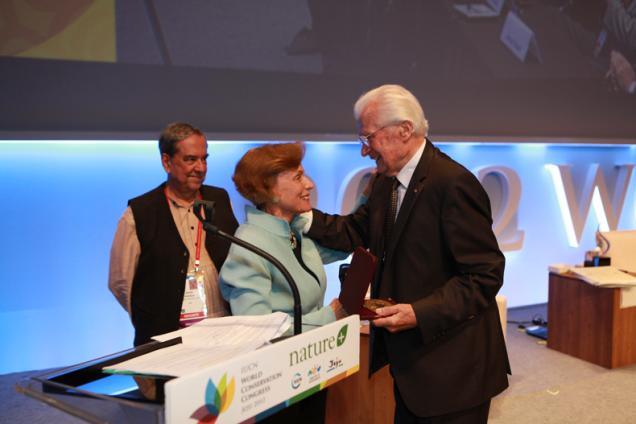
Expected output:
{"points": [[429, 220]]}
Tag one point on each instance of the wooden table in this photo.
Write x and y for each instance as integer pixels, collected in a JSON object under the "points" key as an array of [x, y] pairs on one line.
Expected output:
{"points": [[587, 322], [360, 399]]}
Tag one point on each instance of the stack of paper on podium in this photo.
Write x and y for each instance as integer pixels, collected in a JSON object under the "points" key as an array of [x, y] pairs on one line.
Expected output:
{"points": [[620, 247], [206, 343], [605, 276]]}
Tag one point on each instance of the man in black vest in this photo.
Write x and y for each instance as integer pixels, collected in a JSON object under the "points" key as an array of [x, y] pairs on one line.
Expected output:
{"points": [[158, 271]]}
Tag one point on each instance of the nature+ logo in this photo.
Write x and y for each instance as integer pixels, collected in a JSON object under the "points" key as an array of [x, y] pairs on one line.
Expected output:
{"points": [[217, 400], [319, 347]]}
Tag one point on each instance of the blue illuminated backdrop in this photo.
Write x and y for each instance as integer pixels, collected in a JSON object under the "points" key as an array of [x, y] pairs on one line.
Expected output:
{"points": [[61, 202]]}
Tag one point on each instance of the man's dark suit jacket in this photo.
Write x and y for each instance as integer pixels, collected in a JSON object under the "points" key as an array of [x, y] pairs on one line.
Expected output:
{"points": [[443, 259]]}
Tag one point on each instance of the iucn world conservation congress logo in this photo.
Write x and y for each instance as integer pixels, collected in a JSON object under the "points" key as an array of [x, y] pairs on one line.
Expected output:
{"points": [[217, 400]]}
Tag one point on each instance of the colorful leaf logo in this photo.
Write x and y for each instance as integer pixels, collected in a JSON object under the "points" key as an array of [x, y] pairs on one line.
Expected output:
{"points": [[217, 400]]}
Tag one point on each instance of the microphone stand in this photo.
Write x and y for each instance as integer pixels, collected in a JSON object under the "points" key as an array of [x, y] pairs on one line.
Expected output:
{"points": [[208, 207]]}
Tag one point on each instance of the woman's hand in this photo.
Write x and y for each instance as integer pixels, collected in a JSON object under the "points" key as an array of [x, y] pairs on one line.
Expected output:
{"points": [[338, 309]]}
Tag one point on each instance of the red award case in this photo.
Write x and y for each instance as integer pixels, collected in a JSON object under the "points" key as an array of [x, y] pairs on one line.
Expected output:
{"points": [[356, 283]]}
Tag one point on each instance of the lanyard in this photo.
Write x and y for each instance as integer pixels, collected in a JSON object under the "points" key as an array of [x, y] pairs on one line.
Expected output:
{"points": [[197, 257]]}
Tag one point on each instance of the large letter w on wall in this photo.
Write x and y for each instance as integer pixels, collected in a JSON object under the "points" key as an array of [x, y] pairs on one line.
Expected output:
{"points": [[593, 192]]}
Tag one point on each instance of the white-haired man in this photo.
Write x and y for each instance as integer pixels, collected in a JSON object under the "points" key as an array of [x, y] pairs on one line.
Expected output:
{"points": [[429, 220]]}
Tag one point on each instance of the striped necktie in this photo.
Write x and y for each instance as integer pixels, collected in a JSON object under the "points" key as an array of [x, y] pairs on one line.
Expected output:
{"points": [[391, 210]]}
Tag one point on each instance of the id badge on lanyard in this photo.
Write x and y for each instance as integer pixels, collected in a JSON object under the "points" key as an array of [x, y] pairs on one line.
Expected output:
{"points": [[194, 307]]}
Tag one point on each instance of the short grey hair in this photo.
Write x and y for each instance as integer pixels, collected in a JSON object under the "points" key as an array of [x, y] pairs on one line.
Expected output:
{"points": [[394, 104], [173, 134]]}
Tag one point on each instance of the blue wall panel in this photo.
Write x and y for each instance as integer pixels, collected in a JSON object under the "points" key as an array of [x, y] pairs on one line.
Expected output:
{"points": [[61, 202]]}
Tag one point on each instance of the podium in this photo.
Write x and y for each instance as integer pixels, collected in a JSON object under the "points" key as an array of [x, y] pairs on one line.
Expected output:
{"points": [[360, 399], [247, 388], [587, 322]]}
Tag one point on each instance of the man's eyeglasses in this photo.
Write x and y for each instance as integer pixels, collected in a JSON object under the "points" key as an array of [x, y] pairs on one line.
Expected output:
{"points": [[366, 139]]}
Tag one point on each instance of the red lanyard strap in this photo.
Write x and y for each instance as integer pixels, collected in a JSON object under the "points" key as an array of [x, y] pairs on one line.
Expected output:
{"points": [[197, 257]]}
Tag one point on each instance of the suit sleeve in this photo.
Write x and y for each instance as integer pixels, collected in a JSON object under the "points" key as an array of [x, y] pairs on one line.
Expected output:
{"points": [[478, 262], [337, 232]]}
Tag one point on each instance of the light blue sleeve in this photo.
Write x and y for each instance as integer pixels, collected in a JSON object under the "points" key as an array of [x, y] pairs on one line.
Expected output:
{"points": [[246, 283], [361, 200], [315, 319], [329, 255]]}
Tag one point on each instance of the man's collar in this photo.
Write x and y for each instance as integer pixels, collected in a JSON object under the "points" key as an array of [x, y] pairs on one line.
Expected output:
{"points": [[178, 202], [406, 173]]}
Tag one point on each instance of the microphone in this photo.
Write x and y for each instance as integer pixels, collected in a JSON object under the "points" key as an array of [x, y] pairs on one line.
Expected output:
{"points": [[204, 211]]}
